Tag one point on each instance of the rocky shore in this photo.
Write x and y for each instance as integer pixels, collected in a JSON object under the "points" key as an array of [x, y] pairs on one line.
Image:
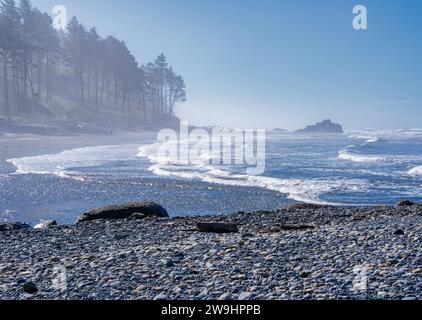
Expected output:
{"points": [[301, 252]]}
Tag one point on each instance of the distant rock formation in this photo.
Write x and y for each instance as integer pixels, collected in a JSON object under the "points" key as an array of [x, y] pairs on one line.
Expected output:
{"points": [[326, 126], [278, 130]]}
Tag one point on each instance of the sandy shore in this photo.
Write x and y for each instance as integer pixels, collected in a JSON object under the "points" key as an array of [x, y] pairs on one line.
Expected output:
{"points": [[322, 253]]}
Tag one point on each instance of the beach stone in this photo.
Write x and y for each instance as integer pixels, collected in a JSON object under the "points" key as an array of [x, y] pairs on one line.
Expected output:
{"points": [[406, 203], [399, 232], [170, 264], [13, 226], [326, 263], [224, 296], [161, 296], [55, 259], [177, 290], [245, 295], [140, 288], [30, 287], [124, 211], [46, 224]]}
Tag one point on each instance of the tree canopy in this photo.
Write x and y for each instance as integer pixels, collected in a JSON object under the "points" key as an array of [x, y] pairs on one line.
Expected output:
{"points": [[76, 72]]}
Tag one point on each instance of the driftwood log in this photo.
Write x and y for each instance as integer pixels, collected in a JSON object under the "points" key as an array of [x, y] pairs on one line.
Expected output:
{"points": [[217, 227], [295, 227]]}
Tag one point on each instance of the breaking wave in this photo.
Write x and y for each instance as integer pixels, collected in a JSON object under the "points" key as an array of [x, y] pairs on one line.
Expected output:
{"points": [[305, 190], [350, 156], [66, 164], [416, 171]]}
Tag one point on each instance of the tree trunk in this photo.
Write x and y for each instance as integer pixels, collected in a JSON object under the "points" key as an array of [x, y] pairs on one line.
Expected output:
{"points": [[25, 82], [103, 83], [47, 78], [144, 105], [96, 88], [15, 88], [39, 75], [88, 85], [108, 94], [81, 75], [6, 86]]}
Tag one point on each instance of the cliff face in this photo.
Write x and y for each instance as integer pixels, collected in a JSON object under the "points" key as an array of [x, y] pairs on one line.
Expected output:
{"points": [[326, 126]]}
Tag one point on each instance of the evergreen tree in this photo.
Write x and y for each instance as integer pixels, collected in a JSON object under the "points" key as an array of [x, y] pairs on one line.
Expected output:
{"points": [[93, 75], [9, 44]]}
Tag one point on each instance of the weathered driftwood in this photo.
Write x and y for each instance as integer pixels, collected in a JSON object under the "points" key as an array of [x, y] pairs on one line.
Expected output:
{"points": [[406, 203], [306, 206], [217, 227], [295, 227]]}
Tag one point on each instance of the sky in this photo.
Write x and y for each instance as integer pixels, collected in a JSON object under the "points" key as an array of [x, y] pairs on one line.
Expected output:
{"points": [[276, 63]]}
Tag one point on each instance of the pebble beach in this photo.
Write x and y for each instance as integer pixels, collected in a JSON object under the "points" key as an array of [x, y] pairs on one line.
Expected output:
{"points": [[296, 253]]}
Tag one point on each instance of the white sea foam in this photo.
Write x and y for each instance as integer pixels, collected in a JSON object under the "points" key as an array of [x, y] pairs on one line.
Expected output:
{"points": [[416, 171], [350, 156], [7, 216], [71, 163], [66, 163], [373, 140], [370, 138], [305, 190], [387, 134], [360, 136]]}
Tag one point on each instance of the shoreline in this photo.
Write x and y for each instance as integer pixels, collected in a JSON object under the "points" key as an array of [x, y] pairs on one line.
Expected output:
{"points": [[320, 256], [219, 198]]}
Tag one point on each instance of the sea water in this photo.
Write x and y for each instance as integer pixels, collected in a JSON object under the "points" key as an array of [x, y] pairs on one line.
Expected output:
{"points": [[367, 167]]}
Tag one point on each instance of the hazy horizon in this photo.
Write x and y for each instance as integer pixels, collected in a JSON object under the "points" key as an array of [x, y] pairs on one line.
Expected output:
{"points": [[284, 64]]}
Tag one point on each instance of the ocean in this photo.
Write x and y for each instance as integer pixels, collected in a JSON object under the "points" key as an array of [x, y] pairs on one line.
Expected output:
{"points": [[56, 180]]}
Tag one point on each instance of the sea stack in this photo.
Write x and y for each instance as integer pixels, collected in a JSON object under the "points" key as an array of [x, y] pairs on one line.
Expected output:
{"points": [[326, 126]]}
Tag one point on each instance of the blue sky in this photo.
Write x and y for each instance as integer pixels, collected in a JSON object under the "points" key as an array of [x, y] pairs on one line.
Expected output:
{"points": [[276, 63]]}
